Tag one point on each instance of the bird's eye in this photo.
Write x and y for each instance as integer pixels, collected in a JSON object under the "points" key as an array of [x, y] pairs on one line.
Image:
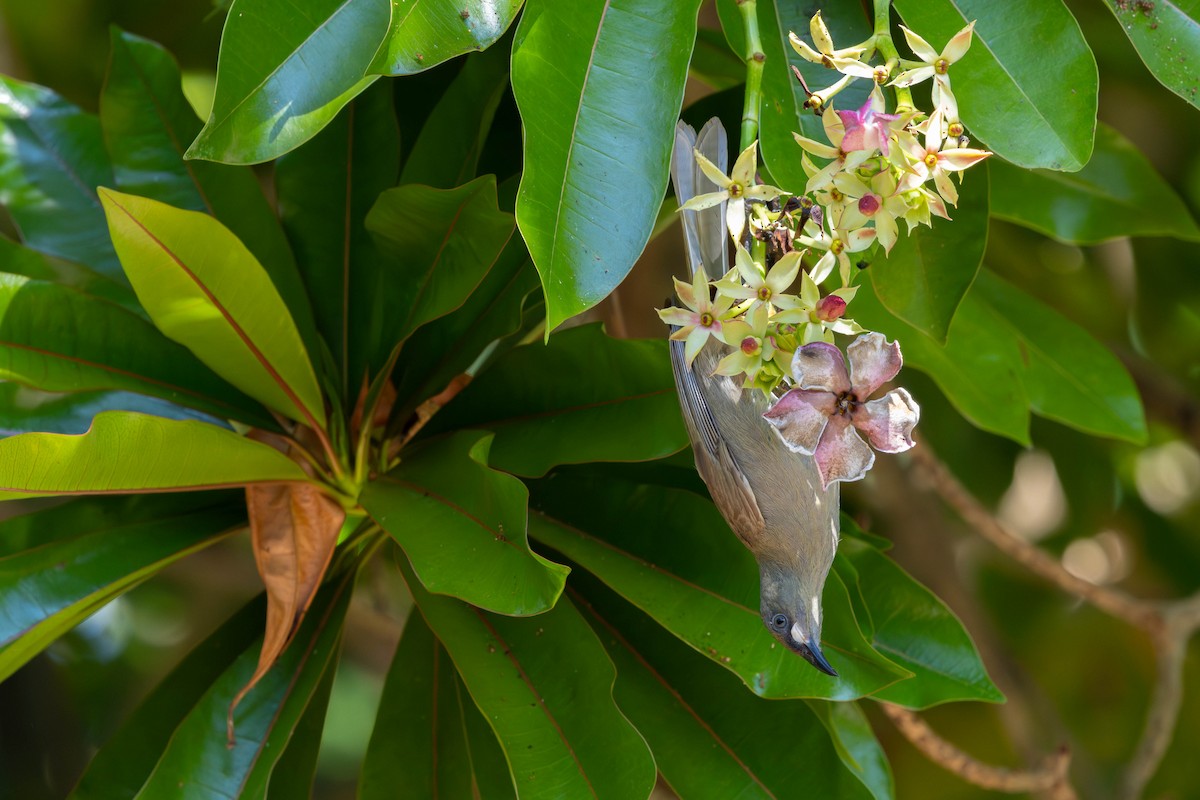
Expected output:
{"points": [[779, 622]]}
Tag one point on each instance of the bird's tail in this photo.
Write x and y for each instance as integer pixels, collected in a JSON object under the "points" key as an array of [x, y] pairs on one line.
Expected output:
{"points": [[703, 230]]}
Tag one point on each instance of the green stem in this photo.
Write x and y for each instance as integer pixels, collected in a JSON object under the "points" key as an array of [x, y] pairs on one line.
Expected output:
{"points": [[887, 48], [754, 72]]}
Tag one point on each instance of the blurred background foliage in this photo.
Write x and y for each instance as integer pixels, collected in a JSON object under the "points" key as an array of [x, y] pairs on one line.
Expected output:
{"points": [[1112, 512]]}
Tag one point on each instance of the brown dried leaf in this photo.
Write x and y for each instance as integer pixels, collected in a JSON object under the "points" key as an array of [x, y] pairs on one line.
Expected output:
{"points": [[294, 528], [383, 407]]}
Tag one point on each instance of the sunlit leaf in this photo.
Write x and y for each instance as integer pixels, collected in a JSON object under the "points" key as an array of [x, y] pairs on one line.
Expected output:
{"points": [[425, 33], [1166, 35]]}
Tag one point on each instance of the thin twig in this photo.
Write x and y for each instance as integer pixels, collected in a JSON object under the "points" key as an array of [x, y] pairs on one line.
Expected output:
{"points": [[1049, 777]]}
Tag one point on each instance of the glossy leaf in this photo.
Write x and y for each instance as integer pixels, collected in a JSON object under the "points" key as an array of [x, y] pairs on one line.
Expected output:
{"points": [[480, 553], [1165, 35], [359, 153], [58, 339], [148, 124], [1118, 193], [914, 628], [856, 745], [447, 150], [51, 161], [197, 761], [126, 759], [128, 452], [710, 737], [560, 730], [19, 259], [448, 346], [671, 554], [1069, 376], [424, 34], [421, 739], [295, 773], [927, 274], [545, 403], [439, 244], [592, 182], [205, 290], [47, 590], [26, 410], [1027, 87], [283, 75]]}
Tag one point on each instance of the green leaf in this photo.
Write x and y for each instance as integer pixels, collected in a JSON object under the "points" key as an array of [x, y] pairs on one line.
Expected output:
{"points": [[438, 244], [197, 762], [480, 553], [592, 183], [1165, 35], [421, 739], [1069, 376], [560, 729], [856, 745], [977, 369], [914, 628], [924, 278], [205, 290], [47, 590], [147, 123], [671, 554], [714, 63], [18, 259], [424, 34], [545, 403], [51, 161], [447, 150], [283, 75], [127, 452], [710, 737], [1029, 114], [124, 762], [26, 410], [58, 339], [1117, 194], [359, 153], [448, 346], [296, 770]]}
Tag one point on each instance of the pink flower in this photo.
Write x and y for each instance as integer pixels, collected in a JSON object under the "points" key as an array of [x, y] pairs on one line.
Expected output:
{"points": [[819, 417], [867, 128]]}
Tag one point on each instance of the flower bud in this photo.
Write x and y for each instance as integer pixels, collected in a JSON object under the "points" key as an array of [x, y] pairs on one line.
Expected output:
{"points": [[868, 204], [830, 308]]}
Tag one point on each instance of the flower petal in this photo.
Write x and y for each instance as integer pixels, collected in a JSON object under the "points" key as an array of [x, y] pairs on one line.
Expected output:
{"points": [[705, 201], [873, 362], [695, 343], [804, 51], [800, 416], [735, 218], [911, 77], [824, 267], [922, 48], [959, 158], [842, 455], [711, 171], [783, 274], [745, 166], [889, 421], [677, 316], [820, 366], [818, 149], [957, 47]]}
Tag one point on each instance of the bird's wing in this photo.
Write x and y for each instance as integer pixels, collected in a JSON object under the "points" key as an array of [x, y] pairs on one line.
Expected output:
{"points": [[703, 231], [715, 462]]}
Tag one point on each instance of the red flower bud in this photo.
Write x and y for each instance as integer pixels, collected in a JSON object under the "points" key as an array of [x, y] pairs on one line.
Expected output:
{"points": [[868, 204], [830, 308]]}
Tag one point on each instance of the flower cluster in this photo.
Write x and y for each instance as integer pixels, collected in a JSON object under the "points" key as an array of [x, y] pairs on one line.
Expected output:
{"points": [[875, 169]]}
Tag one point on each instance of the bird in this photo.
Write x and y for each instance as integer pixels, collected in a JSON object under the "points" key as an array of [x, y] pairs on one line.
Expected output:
{"points": [[771, 497]]}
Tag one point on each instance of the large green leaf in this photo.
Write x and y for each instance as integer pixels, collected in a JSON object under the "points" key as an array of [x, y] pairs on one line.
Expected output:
{"points": [[546, 403], [426, 737], [597, 136], [1027, 87], [480, 553], [911, 626], [1166, 36], [1117, 194], [198, 763], [924, 278], [19, 259], [359, 153], [671, 554], [205, 290], [710, 737], [51, 161], [58, 339], [856, 745], [148, 124], [438, 244], [283, 74], [126, 759], [447, 150], [424, 33], [560, 729], [26, 410], [296, 770], [49, 589], [127, 452]]}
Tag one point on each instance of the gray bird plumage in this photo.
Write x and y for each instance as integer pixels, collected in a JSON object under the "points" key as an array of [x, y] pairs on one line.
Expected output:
{"points": [[770, 496]]}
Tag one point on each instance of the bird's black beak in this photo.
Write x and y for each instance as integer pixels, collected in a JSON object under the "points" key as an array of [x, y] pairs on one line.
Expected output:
{"points": [[817, 658]]}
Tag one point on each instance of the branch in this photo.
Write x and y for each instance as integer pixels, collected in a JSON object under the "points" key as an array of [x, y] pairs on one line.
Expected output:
{"points": [[1050, 777]]}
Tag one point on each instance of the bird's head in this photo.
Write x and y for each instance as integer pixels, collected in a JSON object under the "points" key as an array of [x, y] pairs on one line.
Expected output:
{"points": [[791, 610]]}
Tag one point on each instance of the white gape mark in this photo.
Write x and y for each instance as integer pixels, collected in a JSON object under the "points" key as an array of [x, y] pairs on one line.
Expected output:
{"points": [[798, 633]]}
